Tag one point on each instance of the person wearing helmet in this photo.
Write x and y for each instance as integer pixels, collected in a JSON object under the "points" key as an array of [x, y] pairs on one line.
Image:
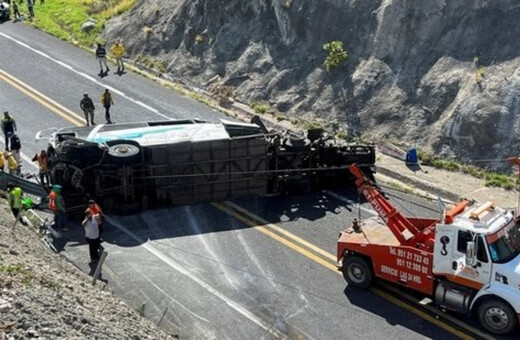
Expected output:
{"points": [[87, 106]]}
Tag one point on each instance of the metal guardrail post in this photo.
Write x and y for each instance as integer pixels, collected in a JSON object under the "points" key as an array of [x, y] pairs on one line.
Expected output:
{"points": [[97, 273]]}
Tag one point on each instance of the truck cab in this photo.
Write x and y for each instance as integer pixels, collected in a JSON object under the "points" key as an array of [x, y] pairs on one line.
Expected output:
{"points": [[480, 251]]}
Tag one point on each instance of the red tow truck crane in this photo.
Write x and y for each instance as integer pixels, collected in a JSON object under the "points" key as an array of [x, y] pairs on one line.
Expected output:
{"points": [[466, 261]]}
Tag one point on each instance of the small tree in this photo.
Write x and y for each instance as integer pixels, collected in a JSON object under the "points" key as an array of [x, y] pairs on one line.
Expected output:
{"points": [[337, 54]]}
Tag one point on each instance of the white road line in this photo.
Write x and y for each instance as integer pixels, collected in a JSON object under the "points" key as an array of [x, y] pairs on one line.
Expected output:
{"points": [[349, 201], [236, 306], [86, 76]]}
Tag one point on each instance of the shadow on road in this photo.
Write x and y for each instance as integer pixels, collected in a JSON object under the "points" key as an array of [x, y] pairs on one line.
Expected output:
{"points": [[203, 219], [372, 303]]}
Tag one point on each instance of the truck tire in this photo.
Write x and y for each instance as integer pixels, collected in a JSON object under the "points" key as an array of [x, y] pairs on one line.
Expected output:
{"points": [[124, 152], [497, 316], [357, 271]]}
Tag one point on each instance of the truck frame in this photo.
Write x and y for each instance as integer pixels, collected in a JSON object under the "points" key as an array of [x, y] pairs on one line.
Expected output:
{"points": [[467, 261], [133, 166]]}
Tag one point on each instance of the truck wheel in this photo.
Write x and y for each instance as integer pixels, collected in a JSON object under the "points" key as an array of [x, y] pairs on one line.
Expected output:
{"points": [[124, 151], [497, 317], [357, 272]]}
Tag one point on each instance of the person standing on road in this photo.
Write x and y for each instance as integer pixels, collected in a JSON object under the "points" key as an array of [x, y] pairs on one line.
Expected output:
{"points": [[101, 55], [12, 165], [8, 125], [90, 223], [43, 166], [107, 101], [57, 206], [16, 145], [87, 106], [97, 212], [15, 199], [118, 50]]}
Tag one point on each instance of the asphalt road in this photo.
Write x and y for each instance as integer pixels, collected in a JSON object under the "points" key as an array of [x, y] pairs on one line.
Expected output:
{"points": [[252, 268]]}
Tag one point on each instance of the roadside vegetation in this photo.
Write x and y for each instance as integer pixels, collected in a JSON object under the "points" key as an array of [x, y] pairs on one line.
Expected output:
{"points": [[64, 18], [337, 55], [491, 178]]}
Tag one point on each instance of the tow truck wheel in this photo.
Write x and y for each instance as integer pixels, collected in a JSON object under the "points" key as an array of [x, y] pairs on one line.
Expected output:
{"points": [[497, 317], [357, 272]]}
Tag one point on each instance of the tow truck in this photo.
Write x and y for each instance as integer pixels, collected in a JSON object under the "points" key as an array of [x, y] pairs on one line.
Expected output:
{"points": [[466, 261], [143, 165]]}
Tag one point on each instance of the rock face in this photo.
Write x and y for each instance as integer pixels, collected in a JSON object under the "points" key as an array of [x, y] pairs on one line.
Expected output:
{"points": [[442, 74]]}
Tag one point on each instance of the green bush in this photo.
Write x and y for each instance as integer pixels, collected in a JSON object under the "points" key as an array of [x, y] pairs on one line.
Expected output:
{"points": [[259, 107], [337, 55]]}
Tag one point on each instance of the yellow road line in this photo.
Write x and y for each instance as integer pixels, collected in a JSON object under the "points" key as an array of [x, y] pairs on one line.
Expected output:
{"points": [[277, 237], [301, 241], [420, 313], [42, 99], [331, 266], [432, 309]]}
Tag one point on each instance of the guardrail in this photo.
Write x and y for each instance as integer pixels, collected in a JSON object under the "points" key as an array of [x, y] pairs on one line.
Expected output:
{"points": [[27, 186]]}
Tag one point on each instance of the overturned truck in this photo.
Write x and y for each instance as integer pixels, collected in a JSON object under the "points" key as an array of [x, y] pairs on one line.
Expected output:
{"points": [[134, 166]]}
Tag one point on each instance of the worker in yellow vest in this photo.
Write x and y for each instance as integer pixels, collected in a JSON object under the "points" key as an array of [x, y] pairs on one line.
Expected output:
{"points": [[15, 199], [12, 164], [118, 50]]}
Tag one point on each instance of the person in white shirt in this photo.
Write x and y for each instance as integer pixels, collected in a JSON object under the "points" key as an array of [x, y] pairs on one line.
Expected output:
{"points": [[91, 225]]}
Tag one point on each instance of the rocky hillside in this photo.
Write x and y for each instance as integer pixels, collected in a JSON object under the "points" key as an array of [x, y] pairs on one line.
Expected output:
{"points": [[442, 74], [44, 296]]}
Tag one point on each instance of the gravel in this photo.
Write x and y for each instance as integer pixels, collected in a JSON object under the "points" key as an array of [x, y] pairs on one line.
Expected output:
{"points": [[44, 296]]}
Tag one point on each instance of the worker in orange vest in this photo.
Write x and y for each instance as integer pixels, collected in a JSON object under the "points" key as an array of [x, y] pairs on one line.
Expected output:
{"points": [[57, 206], [42, 160]]}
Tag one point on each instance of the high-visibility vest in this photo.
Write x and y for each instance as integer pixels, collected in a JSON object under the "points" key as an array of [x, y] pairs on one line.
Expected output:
{"points": [[52, 201], [16, 201], [11, 163]]}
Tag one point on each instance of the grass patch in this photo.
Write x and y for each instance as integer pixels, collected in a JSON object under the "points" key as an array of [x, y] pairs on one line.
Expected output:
{"points": [[491, 179], [259, 107], [63, 18]]}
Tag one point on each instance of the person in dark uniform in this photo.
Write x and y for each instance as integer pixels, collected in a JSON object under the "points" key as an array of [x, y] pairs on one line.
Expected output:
{"points": [[8, 126]]}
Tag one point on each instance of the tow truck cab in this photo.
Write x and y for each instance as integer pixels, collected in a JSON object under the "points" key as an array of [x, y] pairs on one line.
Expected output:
{"points": [[477, 264]]}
